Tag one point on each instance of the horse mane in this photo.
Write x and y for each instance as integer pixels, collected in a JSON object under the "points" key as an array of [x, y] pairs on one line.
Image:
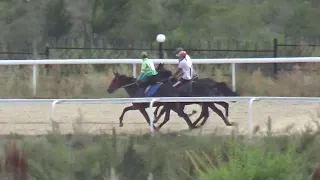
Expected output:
{"points": [[163, 70], [131, 78]]}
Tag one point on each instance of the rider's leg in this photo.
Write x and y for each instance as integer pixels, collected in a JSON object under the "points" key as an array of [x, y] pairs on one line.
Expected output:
{"points": [[140, 92], [141, 88], [177, 84], [153, 79], [149, 80], [184, 87]]}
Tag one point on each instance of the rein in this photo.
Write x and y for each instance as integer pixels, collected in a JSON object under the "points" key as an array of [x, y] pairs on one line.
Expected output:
{"points": [[131, 84], [161, 81]]}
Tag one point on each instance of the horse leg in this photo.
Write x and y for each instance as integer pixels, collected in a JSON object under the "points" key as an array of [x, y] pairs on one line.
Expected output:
{"points": [[204, 114], [192, 113], [145, 115], [166, 118], [125, 110], [225, 105], [216, 110], [156, 119], [163, 110], [179, 110]]}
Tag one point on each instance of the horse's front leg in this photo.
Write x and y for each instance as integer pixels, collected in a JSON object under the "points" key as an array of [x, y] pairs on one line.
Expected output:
{"points": [[125, 110]]}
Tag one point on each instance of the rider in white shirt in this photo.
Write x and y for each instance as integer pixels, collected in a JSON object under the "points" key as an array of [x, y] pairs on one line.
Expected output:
{"points": [[185, 72]]}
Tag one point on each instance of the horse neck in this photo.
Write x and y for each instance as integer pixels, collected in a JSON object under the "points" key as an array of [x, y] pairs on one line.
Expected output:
{"points": [[130, 90], [165, 73]]}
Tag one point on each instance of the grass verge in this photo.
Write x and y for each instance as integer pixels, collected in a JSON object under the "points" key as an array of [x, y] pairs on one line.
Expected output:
{"points": [[162, 156]]}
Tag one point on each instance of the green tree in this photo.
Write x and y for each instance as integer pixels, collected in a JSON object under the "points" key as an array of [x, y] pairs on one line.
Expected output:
{"points": [[58, 20], [107, 14], [303, 22]]}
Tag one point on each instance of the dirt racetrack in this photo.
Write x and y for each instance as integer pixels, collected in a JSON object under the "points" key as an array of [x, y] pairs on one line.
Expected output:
{"points": [[97, 118]]}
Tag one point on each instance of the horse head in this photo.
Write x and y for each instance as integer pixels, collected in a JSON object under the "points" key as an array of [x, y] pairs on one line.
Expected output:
{"points": [[163, 72], [117, 82], [160, 67]]}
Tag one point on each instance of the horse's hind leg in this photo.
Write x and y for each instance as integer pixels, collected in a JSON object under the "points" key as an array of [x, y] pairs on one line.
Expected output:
{"points": [[204, 114], [156, 119], [163, 110], [166, 118], [179, 110], [192, 113], [225, 105], [216, 110], [125, 110]]}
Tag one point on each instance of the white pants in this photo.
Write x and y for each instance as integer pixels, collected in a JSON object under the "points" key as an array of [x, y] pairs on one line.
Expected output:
{"points": [[176, 84], [180, 82]]}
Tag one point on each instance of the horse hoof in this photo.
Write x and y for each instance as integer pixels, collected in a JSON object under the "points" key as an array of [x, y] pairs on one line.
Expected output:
{"points": [[120, 124], [156, 129], [197, 127], [194, 124], [233, 124]]}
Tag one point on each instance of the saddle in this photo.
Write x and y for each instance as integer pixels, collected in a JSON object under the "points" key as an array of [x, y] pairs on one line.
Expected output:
{"points": [[186, 88], [152, 89]]}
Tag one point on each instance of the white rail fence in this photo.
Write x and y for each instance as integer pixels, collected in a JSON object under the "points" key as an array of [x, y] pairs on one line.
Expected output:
{"points": [[134, 62], [151, 101]]}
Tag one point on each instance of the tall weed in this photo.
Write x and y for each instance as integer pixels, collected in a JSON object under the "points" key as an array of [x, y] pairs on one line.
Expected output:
{"points": [[249, 162]]}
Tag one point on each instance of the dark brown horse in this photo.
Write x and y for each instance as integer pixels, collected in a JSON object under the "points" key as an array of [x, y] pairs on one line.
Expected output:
{"points": [[136, 106], [165, 90], [202, 88]]}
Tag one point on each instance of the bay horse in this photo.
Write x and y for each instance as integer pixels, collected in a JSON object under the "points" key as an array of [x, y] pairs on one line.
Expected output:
{"points": [[164, 90]]}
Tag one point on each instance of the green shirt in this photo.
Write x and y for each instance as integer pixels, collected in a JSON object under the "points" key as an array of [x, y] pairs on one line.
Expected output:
{"points": [[147, 69]]}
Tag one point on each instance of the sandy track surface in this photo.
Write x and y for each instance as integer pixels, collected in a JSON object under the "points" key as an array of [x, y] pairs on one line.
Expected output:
{"points": [[35, 119]]}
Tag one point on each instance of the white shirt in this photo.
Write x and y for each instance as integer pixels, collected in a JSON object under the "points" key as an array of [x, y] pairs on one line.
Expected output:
{"points": [[187, 69]]}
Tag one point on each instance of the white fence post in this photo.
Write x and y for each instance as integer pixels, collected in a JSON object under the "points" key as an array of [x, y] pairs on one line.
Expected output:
{"points": [[250, 127], [150, 112], [134, 70], [233, 75], [34, 79]]}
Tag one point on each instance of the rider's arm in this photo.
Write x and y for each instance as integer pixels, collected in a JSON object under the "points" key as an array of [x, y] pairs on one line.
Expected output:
{"points": [[179, 70], [143, 71]]}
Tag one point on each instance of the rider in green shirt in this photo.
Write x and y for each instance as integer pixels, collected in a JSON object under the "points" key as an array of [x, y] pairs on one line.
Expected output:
{"points": [[147, 76], [147, 67]]}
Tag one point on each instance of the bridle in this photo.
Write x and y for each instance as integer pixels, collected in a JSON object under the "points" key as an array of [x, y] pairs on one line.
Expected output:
{"points": [[127, 85]]}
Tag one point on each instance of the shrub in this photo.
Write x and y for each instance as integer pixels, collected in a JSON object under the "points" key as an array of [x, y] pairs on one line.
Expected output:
{"points": [[250, 162]]}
